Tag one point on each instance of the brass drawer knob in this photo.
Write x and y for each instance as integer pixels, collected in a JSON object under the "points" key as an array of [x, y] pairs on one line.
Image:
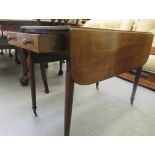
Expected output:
{"points": [[25, 41]]}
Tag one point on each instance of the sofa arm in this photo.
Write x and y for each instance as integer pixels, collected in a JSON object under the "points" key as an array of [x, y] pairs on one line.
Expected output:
{"points": [[110, 24]]}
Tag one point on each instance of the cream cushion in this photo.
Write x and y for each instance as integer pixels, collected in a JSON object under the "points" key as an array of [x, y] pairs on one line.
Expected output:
{"points": [[110, 24], [153, 31], [145, 25], [150, 64]]}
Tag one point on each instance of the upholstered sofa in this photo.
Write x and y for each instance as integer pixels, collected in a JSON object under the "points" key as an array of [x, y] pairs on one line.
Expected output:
{"points": [[144, 25]]}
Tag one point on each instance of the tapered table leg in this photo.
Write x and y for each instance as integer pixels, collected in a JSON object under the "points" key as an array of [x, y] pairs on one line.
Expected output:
{"points": [[32, 82], [136, 80], [69, 90]]}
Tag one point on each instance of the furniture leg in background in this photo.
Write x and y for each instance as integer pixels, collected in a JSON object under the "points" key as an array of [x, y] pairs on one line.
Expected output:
{"points": [[137, 77], [44, 78]]}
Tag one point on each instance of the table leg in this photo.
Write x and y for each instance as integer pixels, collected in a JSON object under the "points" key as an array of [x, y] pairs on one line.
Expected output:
{"points": [[136, 80], [69, 91], [32, 82]]}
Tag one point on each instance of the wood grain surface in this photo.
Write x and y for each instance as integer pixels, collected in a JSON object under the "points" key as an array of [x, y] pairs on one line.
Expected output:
{"points": [[40, 43], [97, 54]]}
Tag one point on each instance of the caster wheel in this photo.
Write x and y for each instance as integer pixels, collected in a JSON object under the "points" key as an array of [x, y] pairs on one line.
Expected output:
{"points": [[60, 72], [24, 81]]}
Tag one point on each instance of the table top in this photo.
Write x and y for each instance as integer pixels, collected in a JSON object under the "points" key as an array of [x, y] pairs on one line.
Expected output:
{"points": [[47, 29], [91, 51]]}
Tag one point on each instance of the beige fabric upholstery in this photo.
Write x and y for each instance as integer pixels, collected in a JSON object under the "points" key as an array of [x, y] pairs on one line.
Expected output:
{"points": [[145, 25], [110, 24], [153, 31], [150, 64]]}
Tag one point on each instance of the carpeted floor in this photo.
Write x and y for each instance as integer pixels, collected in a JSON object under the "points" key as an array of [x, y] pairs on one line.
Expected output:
{"points": [[103, 112]]}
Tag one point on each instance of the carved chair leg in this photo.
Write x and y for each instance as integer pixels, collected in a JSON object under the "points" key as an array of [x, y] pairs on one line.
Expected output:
{"points": [[44, 78], [136, 80], [69, 90], [32, 82], [60, 70], [24, 78], [97, 85]]}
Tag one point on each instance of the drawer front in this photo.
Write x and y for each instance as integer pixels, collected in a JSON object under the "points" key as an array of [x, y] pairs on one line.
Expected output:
{"points": [[40, 43]]}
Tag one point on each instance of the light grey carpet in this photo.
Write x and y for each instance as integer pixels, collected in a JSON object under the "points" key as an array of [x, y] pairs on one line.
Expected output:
{"points": [[104, 112]]}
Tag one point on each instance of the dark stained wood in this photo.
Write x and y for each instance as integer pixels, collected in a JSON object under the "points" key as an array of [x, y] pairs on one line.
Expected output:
{"points": [[40, 43], [14, 25], [136, 80], [32, 83], [96, 55], [7, 24], [42, 68], [69, 91]]}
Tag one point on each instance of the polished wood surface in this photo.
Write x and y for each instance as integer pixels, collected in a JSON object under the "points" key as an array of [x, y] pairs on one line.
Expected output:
{"points": [[40, 43], [96, 55], [8, 24]]}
